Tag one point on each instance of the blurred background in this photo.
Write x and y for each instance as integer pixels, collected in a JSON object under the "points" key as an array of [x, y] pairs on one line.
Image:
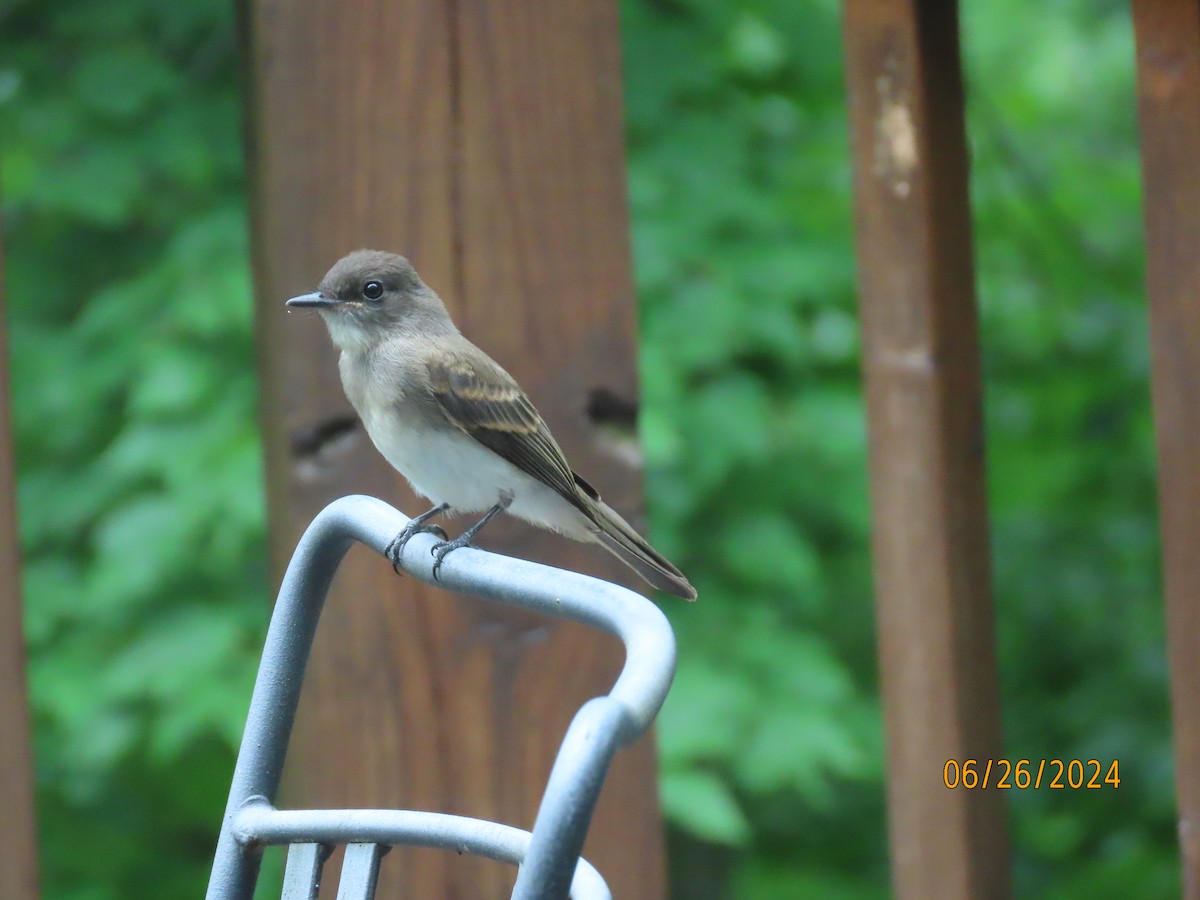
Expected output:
{"points": [[140, 480]]}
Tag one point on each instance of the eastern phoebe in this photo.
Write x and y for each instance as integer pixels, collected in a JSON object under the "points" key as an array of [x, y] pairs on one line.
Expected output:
{"points": [[453, 422]]}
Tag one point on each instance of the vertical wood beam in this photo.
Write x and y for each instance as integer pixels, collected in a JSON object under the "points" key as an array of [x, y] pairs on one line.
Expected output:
{"points": [[1168, 66], [18, 836], [924, 403], [484, 142]]}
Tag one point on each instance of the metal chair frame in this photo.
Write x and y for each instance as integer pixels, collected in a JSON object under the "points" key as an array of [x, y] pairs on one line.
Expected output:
{"points": [[550, 866]]}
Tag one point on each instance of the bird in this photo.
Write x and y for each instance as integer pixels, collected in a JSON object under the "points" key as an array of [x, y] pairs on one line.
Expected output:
{"points": [[454, 423]]}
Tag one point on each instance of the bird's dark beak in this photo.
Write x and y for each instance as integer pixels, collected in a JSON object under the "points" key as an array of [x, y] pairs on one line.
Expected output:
{"points": [[319, 300]]}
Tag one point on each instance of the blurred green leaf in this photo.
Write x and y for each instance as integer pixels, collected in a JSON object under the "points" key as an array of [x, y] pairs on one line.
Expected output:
{"points": [[707, 804]]}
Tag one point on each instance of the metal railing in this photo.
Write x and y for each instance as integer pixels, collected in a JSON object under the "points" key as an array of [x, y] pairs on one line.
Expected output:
{"points": [[549, 856]]}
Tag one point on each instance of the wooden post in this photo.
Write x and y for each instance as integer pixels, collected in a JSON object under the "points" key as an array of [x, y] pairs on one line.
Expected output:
{"points": [[18, 847], [1168, 64], [484, 141], [921, 359]]}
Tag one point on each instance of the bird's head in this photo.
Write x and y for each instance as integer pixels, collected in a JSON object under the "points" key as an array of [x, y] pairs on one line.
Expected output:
{"points": [[371, 294]]}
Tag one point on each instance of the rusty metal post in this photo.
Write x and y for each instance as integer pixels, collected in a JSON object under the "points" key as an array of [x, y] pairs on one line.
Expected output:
{"points": [[18, 848], [1168, 65], [924, 401]]}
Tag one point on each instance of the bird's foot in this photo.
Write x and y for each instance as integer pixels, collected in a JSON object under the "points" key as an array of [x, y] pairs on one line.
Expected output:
{"points": [[414, 527], [394, 549], [464, 540]]}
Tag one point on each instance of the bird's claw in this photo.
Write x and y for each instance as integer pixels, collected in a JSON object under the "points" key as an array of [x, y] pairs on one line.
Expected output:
{"points": [[396, 546], [444, 549]]}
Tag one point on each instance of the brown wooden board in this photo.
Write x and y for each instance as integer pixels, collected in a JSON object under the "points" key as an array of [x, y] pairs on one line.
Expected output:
{"points": [[18, 847], [484, 142], [921, 361], [1168, 64]]}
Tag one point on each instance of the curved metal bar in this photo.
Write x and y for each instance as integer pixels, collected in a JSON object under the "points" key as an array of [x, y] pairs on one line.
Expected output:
{"points": [[571, 793], [259, 822], [641, 626], [578, 773]]}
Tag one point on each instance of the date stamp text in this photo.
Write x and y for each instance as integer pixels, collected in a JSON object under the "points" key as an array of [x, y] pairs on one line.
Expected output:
{"points": [[1056, 774]]}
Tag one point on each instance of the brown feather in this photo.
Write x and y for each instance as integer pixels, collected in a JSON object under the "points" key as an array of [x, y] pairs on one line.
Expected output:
{"points": [[485, 402]]}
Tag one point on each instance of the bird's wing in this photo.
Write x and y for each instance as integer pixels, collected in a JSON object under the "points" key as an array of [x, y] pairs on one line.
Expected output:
{"points": [[482, 399]]}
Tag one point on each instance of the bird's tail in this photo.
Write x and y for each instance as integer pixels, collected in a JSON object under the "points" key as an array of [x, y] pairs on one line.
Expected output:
{"points": [[619, 538]]}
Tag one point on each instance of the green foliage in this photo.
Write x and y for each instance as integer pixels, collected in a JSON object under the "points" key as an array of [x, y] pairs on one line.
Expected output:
{"points": [[140, 484], [1071, 449], [754, 434], [141, 494]]}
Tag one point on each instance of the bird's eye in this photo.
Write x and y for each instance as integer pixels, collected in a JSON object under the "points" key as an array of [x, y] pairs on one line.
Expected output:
{"points": [[372, 290]]}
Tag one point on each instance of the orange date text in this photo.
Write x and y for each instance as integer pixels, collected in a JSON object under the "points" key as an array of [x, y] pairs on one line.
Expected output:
{"points": [[1056, 774]]}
